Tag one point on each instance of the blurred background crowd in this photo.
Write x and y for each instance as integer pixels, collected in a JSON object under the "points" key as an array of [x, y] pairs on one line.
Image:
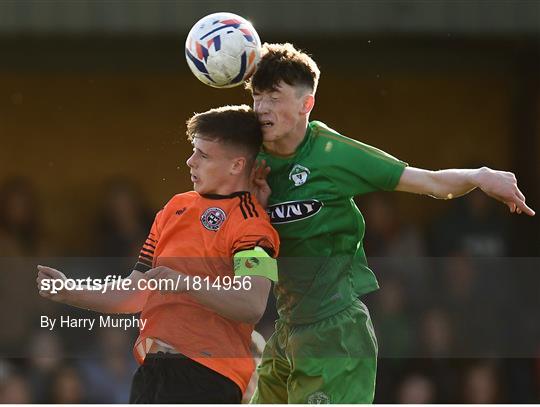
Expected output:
{"points": [[456, 318], [93, 97]]}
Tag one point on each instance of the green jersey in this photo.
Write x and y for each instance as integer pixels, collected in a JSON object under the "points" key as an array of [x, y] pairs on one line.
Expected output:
{"points": [[322, 264]]}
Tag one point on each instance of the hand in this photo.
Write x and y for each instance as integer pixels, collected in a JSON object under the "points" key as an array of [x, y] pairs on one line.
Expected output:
{"points": [[259, 185], [502, 186], [48, 273], [167, 279]]}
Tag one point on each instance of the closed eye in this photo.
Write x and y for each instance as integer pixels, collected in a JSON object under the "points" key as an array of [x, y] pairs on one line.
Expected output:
{"points": [[198, 151]]}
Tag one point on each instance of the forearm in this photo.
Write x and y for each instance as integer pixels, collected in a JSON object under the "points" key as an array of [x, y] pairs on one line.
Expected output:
{"points": [[241, 305], [109, 299], [447, 184], [116, 297], [452, 183], [442, 184]]}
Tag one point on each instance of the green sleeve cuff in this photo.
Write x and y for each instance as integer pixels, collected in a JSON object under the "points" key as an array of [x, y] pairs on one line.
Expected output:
{"points": [[255, 262]]}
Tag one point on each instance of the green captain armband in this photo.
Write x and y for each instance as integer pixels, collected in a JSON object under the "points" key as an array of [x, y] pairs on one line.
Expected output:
{"points": [[255, 262]]}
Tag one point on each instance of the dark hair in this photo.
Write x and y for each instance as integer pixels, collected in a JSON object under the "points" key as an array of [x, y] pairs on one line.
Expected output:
{"points": [[237, 126], [283, 62]]}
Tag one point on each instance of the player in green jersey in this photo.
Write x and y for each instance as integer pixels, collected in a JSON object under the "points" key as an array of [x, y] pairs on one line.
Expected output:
{"points": [[324, 348]]}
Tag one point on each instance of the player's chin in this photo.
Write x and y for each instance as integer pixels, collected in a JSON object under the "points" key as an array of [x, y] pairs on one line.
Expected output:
{"points": [[268, 134], [201, 189]]}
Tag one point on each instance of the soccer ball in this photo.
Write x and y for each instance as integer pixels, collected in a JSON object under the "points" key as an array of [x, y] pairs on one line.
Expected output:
{"points": [[222, 50]]}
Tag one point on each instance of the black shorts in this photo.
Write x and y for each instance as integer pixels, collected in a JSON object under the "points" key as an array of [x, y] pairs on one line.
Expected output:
{"points": [[166, 378]]}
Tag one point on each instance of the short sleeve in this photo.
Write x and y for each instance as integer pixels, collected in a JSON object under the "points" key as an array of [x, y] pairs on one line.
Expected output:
{"points": [[146, 256], [358, 168], [252, 232]]}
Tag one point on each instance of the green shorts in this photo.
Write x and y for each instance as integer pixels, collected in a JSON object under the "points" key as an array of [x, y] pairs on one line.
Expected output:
{"points": [[330, 361]]}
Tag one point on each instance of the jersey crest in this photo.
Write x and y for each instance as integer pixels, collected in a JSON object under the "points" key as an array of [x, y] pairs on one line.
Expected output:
{"points": [[299, 175], [213, 218]]}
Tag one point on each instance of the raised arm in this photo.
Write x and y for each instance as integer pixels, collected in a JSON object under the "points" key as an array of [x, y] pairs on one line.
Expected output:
{"points": [[110, 300], [447, 184]]}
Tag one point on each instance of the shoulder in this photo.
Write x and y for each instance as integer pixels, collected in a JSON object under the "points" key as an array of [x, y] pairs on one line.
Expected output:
{"points": [[249, 226], [339, 145], [320, 129], [248, 216], [328, 138], [246, 208], [177, 202], [183, 197]]}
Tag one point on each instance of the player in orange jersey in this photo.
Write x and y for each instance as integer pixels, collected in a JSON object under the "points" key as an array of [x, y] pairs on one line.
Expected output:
{"points": [[217, 245]]}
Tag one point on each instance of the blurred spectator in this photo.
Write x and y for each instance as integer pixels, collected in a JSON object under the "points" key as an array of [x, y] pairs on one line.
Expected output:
{"points": [[393, 246], [392, 321], [45, 357], [416, 389], [66, 387], [109, 372], [14, 389], [459, 281], [386, 234], [482, 384], [21, 239], [473, 227], [438, 353], [124, 220], [475, 293], [437, 336], [20, 226]]}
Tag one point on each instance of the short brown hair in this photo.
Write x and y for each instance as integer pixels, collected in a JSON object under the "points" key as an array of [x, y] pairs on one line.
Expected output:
{"points": [[283, 62], [237, 126]]}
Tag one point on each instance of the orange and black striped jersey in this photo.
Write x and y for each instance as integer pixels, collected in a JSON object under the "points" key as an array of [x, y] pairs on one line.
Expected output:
{"points": [[198, 235]]}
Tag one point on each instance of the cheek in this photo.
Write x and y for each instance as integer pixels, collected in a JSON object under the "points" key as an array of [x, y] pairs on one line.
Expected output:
{"points": [[216, 169], [286, 118]]}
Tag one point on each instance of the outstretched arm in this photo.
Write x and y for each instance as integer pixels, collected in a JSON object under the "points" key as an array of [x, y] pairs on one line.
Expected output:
{"points": [[110, 300], [447, 184]]}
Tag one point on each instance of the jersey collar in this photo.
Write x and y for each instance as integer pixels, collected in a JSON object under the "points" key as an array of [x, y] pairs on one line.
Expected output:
{"points": [[301, 146], [218, 196]]}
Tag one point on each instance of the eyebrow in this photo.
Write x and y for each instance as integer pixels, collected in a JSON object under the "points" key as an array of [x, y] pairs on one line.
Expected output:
{"points": [[200, 151], [269, 90], [197, 148]]}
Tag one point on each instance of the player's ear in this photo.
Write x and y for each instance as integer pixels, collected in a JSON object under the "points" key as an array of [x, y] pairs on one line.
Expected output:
{"points": [[307, 103], [238, 165]]}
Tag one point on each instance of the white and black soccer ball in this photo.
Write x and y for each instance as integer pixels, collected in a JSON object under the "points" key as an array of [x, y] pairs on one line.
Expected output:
{"points": [[222, 50]]}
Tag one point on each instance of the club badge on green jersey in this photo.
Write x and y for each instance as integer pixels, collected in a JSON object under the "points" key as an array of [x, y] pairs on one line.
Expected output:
{"points": [[299, 175]]}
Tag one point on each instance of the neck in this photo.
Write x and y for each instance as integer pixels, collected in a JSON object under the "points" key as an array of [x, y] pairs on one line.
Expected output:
{"points": [[286, 146], [237, 184]]}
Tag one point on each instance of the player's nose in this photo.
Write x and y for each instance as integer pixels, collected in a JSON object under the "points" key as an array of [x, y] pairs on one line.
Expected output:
{"points": [[190, 162], [260, 107]]}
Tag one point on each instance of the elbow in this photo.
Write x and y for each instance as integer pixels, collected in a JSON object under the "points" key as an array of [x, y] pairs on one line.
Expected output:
{"points": [[133, 304], [254, 313], [257, 297], [129, 310]]}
